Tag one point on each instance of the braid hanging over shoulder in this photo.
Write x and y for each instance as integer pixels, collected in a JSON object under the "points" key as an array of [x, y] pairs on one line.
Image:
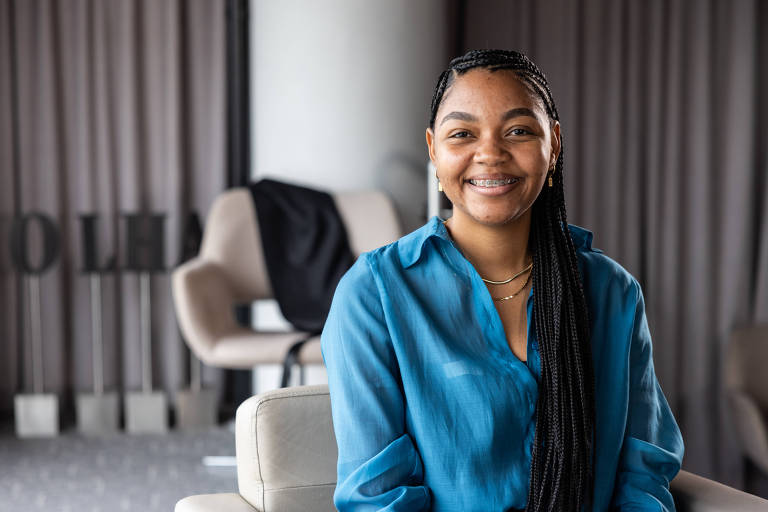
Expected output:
{"points": [[561, 475]]}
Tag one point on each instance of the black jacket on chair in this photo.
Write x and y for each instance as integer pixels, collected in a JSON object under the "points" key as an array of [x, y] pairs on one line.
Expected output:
{"points": [[305, 247]]}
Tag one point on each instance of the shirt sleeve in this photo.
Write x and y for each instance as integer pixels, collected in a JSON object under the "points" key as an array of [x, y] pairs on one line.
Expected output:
{"points": [[379, 467], [652, 451]]}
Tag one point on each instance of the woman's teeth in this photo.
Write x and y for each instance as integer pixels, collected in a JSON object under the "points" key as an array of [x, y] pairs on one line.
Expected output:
{"points": [[493, 183]]}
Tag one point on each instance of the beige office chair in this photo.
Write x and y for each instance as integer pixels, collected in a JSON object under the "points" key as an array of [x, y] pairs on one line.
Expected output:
{"points": [[286, 462], [230, 270], [746, 385]]}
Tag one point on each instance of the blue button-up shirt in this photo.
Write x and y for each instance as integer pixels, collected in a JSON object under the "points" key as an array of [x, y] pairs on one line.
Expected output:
{"points": [[433, 411]]}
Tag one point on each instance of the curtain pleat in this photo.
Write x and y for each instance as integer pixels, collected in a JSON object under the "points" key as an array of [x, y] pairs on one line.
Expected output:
{"points": [[665, 162], [121, 111], [9, 318]]}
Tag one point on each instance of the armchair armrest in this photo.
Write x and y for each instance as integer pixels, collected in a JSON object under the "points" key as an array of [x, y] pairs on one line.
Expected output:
{"points": [[286, 450], [693, 493], [750, 427], [230, 502]]}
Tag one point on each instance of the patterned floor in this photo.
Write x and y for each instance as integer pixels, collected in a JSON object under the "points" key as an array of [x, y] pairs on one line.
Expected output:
{"points": [[148, 473]]}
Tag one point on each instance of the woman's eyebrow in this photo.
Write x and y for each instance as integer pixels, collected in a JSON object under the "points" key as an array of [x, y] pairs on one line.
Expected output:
{"points": [[517, 112], [460, 116], [509, 114]]}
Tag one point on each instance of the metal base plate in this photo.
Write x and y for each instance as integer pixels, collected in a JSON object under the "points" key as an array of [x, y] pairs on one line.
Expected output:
{"points": [[37, 415], [195, 409], [146, 413], [97, 414]]}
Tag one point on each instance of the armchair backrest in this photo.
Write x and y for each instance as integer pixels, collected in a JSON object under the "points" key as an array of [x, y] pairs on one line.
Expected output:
{"points": [[231, 237]]}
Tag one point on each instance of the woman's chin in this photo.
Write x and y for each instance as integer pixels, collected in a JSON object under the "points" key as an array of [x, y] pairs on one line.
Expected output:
{"points": [[495, 219]]}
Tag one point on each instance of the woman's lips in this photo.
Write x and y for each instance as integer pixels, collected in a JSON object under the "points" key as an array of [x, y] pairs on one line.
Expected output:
{"points": [[492, 186]]}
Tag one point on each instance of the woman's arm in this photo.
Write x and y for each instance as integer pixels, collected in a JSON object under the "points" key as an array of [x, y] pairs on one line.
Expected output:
{"points": [[379, 467], [652, 452]]}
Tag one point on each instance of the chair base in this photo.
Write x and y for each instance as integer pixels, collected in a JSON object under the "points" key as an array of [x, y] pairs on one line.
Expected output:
{"points": [[195, 409]]}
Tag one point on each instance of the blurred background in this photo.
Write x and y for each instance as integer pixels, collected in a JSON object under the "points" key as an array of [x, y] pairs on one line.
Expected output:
{"points": [[113, 108]]}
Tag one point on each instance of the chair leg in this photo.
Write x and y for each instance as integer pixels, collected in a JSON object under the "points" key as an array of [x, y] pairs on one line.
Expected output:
{"points": [[285, 380], [292, 358]]}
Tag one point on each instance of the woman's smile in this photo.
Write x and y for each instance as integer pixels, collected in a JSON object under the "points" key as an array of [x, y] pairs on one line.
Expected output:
{"points": [[492, 185]]}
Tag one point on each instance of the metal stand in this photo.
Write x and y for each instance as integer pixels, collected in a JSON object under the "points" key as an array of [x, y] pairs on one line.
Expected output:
{"points": [[37, 414], [146, 412], [195, 407], [97, 413], [436, 202], [433, 194]]}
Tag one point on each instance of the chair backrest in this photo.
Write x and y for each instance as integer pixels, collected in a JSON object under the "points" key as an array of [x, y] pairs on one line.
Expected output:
{"points": [[231, 237], [745, 361], [286, 450], [370, 219]]}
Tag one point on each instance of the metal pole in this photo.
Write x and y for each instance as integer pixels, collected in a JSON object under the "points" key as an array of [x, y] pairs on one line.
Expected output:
{"points": [[36, 328], [433, 196], [195, 376], [97, 340], [146, 333]]}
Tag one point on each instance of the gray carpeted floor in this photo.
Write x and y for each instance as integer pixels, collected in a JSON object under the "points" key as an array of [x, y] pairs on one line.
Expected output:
{"points": [[147, 473]]}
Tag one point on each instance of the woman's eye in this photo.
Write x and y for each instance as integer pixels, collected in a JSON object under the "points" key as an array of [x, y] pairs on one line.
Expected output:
{"points": [[519, 131], [460, 135]]}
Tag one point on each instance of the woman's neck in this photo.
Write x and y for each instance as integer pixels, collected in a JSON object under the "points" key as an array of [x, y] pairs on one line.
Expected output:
{"points": [[495, 251]]}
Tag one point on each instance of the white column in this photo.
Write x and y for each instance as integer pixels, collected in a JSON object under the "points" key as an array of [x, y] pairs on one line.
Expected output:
{"points": [[340, 92]]}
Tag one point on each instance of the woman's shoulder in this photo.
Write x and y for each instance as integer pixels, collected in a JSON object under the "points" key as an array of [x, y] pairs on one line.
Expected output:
{"points": [[401, 253], [381, 260], [603, 277]]}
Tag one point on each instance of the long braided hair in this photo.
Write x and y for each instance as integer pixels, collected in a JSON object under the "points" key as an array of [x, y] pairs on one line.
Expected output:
{"points": [[561, 476]]}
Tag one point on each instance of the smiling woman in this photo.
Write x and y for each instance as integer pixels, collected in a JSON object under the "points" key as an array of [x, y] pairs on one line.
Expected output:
{"points": [[492, 150], [495, 361]]}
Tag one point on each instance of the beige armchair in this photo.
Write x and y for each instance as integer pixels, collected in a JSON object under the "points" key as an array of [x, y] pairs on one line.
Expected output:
{"points": [[746, 385], [231, 270], [286, 462]]}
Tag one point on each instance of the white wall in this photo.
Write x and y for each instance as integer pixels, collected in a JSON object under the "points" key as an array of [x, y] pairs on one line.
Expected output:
{"points": [[340, 91]]}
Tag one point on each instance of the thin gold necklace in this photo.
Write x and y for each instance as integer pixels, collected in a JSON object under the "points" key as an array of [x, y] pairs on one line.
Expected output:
{"points": [[490, 281], [501, 299]]}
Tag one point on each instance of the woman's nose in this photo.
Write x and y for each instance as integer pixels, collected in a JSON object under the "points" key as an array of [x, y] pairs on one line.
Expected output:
{"points": [[491, 152]]}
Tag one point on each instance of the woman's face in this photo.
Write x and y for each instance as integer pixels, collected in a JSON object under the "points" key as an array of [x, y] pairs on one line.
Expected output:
{"points": [[492, 145]]}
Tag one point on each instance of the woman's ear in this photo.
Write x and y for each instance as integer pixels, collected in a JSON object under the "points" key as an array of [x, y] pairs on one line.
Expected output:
{"points": [[555, 143], [431, 144]]}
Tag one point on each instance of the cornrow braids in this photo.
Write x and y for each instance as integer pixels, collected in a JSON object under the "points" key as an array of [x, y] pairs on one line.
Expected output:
{"points": [[561, 474]]}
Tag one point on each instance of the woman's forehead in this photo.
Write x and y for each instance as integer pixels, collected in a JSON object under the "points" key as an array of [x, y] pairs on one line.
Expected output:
{"points": [[500, 90]]}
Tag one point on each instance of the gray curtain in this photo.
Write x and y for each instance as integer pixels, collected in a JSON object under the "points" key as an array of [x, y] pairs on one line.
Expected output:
{"points": [[663, 106], [106, 107]]}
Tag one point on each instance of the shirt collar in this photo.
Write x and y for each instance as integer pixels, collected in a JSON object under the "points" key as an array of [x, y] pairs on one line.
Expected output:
{"points": [[582, 238], [412, 245]]}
